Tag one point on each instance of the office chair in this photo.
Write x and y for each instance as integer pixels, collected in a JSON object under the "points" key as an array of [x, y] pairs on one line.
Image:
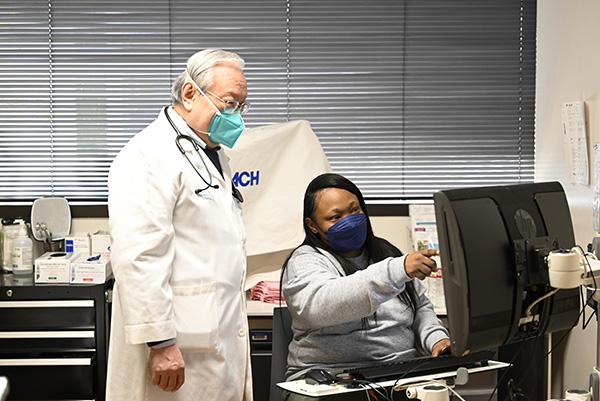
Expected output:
{"points": [[282, 336]]}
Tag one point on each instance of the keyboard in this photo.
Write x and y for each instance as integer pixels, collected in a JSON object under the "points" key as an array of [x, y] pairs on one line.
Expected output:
{"points": [[419, 366]]}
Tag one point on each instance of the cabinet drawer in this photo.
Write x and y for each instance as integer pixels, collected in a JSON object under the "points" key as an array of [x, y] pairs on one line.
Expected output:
{"points": [[15, 342], [49, 378], [44, 315]]}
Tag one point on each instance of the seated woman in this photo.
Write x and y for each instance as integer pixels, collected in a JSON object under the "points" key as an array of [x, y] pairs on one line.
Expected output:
{"points": [[353, 297]]}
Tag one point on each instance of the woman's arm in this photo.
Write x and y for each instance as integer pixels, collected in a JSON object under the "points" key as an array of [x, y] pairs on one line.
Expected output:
{"points": [[320, 295]]}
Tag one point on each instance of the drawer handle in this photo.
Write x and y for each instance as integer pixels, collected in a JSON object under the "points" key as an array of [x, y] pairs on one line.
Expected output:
{"points": [[47, 304], [45, 334], [47, 362]]}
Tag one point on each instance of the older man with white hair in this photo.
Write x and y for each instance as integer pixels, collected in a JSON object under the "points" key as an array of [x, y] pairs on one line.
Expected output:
{"points": [[179, 328]]}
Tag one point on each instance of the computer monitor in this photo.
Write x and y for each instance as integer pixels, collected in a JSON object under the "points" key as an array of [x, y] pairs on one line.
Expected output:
{"points": [[493, 247]]}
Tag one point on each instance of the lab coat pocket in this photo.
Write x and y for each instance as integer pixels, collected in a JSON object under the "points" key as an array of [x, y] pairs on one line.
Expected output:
{"points": [[195, 309]]}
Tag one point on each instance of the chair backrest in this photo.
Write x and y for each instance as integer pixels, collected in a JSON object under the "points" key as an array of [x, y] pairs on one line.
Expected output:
{"points": [[282, 336]]}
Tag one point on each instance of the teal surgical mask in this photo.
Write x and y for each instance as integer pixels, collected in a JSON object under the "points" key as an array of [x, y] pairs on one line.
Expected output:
{"points": [[224, 128]]}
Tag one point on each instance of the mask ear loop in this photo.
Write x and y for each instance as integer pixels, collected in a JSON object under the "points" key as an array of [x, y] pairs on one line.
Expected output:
{"points": [[320, 232], [201, 91]]}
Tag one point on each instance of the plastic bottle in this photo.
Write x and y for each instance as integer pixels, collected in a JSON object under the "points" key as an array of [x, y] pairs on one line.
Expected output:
{"points": [[22, 254], [10, 230]]}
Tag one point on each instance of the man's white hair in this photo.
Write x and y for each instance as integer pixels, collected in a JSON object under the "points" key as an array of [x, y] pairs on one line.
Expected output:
{"points": [[200, 68]]}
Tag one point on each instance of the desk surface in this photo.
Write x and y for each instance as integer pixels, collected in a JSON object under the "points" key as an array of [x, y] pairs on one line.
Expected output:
{"points": [[311, 390], [258, 308]]}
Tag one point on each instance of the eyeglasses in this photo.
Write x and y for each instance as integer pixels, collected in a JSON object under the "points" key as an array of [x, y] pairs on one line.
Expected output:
{"points": [[231, 106]]}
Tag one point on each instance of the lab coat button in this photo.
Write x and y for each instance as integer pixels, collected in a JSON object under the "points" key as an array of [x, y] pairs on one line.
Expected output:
{"points": [[242, 333]]}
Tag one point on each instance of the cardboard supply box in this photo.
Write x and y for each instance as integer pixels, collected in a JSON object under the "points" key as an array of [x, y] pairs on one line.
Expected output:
{"points": [[90, 270], [54, 267], [101, 244], [79, 243]]}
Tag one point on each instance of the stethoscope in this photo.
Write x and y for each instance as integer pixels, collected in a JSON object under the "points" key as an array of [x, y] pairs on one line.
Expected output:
{"points": [[209, 184]]}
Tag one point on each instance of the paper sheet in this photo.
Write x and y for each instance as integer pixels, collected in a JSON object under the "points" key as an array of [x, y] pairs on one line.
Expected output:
{"points": [[596, 175], [575, 141]]}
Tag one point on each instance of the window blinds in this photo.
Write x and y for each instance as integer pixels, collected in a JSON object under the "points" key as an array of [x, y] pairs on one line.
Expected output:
{"points": [[416, 96], [94, 76], [407, 97]]}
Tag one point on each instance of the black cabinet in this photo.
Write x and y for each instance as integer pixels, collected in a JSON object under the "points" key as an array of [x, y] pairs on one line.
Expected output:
{"points": [[53, 339], [260, 353]]}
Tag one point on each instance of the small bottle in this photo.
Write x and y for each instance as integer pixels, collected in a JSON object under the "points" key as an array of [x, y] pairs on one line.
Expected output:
{"points": [[10, 230], [22, 254]]}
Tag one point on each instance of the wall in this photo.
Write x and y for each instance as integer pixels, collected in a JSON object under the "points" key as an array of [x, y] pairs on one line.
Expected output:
{"points": [[89, 225], [395, 229], [568, 69]]}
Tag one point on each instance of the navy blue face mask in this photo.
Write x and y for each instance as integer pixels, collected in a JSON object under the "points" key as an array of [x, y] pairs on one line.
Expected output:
{"points": [[348, 234]]}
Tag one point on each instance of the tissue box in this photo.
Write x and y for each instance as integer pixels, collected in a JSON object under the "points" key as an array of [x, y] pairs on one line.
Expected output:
{"points": [[101, 244], [90, 270], [79, 243], [54, 267]]}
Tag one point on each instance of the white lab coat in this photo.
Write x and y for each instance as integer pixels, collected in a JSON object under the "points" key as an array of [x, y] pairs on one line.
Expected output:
{"points": [[166, 238]]}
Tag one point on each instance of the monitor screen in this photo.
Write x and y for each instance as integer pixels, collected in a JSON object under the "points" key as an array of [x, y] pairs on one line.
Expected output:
{"points": [[493, 247]]}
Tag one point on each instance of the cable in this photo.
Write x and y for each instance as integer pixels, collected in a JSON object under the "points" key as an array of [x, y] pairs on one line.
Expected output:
{"points": [[367, 385], [584, 258], [528, 370], [567, 332], [510, 363], [587, 265], [404, 375], [585, 322], [375, 388], [453, 392], [440, 383], [587, 303], [547, 295]]}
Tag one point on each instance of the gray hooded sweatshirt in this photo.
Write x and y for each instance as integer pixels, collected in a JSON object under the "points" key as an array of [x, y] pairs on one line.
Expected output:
{"points": [[328, 307]]}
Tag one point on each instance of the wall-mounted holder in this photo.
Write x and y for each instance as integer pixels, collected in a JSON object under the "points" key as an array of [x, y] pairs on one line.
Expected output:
{"points": [[51, 222]]}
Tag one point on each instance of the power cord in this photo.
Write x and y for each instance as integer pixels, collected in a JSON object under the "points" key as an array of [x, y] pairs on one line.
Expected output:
{"points": [[514, 392], [371, 388], [442, 383]]}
